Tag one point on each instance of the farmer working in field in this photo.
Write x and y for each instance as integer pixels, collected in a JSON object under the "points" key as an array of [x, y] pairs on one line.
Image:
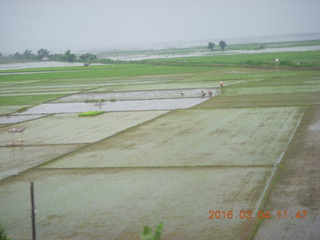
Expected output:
{"points": [[221, 84]]}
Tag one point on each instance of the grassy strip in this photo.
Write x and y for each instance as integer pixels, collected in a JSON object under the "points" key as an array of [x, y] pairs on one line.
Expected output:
{"points": [[305, 59], [253, 46], [27, 99], [283, 88], [263, 100], [90, 113], [124, 70], [203, 48]]}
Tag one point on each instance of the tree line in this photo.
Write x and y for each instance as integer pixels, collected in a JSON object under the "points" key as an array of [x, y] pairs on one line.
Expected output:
{"points": [[222, 45], [44, 55]]}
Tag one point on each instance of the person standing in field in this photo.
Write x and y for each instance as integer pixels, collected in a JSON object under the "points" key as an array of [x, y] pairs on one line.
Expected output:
{"points": [[221, 84]]}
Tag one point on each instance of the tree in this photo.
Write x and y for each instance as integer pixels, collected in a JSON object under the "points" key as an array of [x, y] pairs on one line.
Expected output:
{"points": [[211, 45], [222, 44], [17, 55], [28, 54], [70, 57], [43, 53], [88, 57]]}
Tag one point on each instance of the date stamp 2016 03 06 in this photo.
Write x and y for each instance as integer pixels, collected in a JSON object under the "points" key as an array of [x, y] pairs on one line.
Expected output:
{"points": [[260, 215]]}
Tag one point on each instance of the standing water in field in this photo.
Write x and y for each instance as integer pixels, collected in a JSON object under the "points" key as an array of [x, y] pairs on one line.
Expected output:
{"points": [[117, 101], [135, 95], [132, 105]]}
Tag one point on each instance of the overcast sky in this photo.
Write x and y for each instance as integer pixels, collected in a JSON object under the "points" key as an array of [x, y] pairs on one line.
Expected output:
{"points": [[90, 24]]}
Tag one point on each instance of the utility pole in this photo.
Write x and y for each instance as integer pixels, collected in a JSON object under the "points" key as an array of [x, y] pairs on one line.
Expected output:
{"points": [[33, 212]]}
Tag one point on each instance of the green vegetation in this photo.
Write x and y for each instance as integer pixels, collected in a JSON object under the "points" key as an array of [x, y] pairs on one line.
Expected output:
{"points": [[147, 233], [3, 235], [292, 59], [205, 49], [27, 99], [285, 88], [255, 46], [44, 54], [90, 113], [222, 45]]}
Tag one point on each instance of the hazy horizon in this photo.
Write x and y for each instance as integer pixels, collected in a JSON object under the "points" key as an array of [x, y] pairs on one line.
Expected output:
{"points": [[106, 24]]}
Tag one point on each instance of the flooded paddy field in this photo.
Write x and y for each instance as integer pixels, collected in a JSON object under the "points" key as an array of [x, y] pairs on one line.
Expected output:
{"points": [[13, 108], [70, 129], [117, 204], [19, 118], [53, 136], [157, 86], [297, 192], [132, 105], [274, 90], [204, 138], [146, 94], [252, 148], [18, 158]]}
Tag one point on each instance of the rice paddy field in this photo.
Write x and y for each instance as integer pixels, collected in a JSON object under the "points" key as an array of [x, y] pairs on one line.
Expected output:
{"points": [[241, 162]]}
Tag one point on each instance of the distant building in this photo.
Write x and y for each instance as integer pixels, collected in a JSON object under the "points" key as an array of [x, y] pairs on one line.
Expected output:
{"points": [[45, 59]]}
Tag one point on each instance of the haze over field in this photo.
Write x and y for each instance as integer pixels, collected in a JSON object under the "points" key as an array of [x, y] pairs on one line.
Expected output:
{"points": [[83, 24]]}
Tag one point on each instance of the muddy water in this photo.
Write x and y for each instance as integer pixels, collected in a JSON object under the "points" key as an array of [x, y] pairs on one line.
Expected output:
{"points": [[174, 93], [18, 118], [133, 105], [40, 65], [156, 100]]}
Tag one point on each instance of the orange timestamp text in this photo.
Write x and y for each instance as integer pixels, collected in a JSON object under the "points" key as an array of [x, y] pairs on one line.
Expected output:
{"points": [[260, 215]]}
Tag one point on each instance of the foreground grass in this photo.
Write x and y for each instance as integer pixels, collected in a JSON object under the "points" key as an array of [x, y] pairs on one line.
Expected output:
{"points": [[3, 235]]}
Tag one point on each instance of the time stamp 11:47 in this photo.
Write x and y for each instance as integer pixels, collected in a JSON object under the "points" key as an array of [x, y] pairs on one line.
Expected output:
{"points": [[259, 215]]}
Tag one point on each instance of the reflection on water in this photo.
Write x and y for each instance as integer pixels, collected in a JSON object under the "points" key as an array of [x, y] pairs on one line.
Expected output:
{"points": [[132, 105], [18, 118], [170, 93], [157, 100], [39, 65]]}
